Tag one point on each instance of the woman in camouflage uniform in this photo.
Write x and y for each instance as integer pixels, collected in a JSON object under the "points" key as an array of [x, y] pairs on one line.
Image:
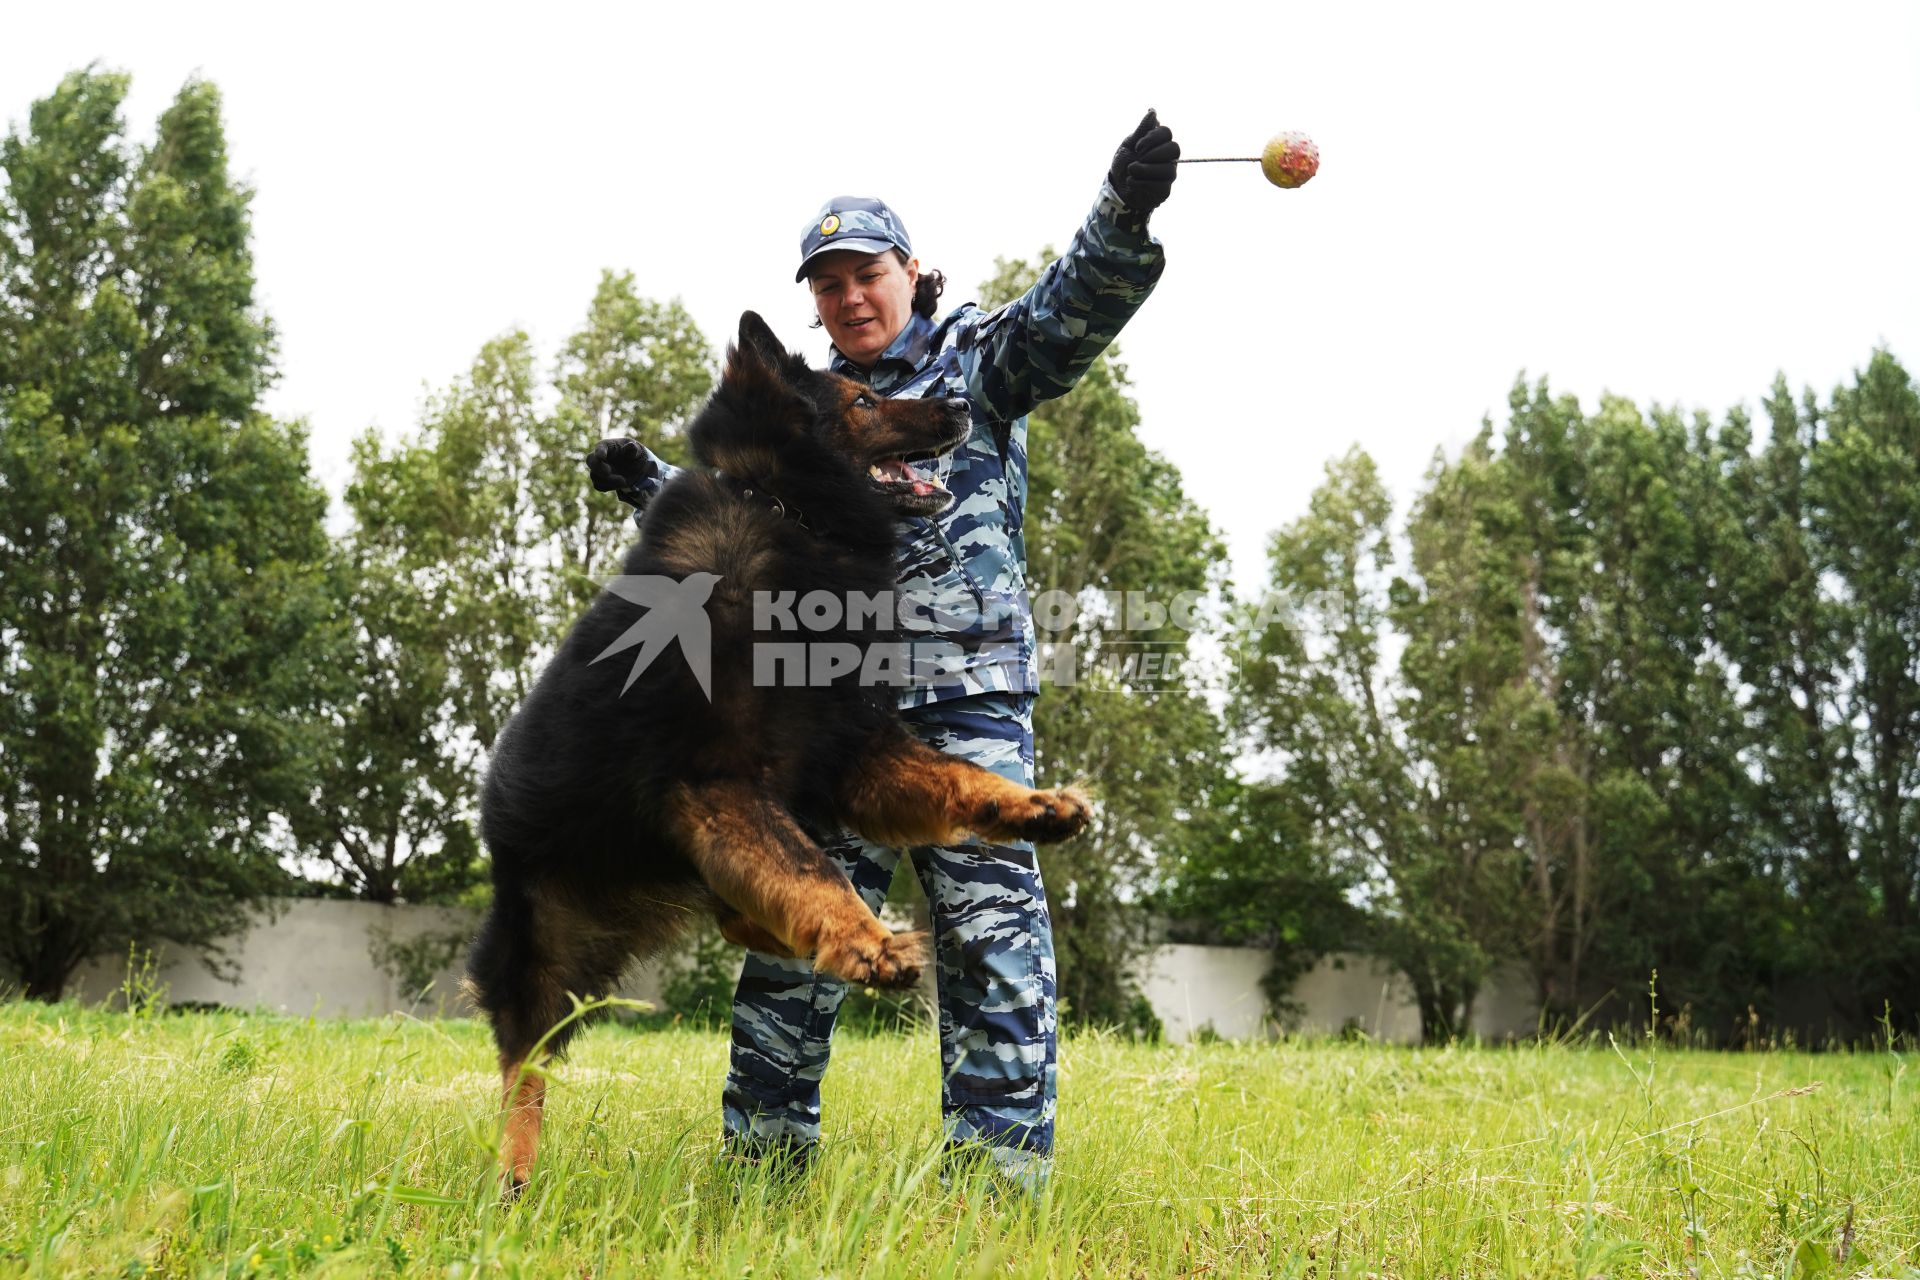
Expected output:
{"points": [[967, 566]]}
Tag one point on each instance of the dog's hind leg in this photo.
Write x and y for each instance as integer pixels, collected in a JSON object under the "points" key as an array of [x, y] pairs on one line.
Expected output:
{"points": [[524, 1099], [753, 854], [903, 792], [532, 952], [508, 980]]}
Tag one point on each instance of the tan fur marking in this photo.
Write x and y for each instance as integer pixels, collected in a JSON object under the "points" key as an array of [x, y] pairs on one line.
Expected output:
{"points": [[913, 794], [523, 1097], [744, 932], [887, 428], [756, 857]]}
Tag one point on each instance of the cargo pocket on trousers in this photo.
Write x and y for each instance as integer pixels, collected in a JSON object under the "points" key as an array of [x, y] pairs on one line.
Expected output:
{"points": [[998, 1010]]}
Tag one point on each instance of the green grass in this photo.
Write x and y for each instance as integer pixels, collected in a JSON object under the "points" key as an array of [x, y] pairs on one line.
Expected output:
{"points": [[220, 1144]]}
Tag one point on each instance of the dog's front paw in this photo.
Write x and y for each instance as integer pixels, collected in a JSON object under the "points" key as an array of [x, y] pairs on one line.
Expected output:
{"points": [[901, 960], [873, 957], [1043, 817]]}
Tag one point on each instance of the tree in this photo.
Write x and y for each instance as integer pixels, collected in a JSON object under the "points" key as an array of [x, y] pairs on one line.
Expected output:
{"points": [[1537, 545], [1383, 793], [1483, 734], [636, 368], [1656, 700], [1863, 486], [1654, 710], [1254, 874], [474, 548], [161, 539], [1497, 555], [1413, 785], [1788, 641]]}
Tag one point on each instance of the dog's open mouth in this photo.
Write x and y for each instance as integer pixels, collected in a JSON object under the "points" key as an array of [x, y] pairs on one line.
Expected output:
{"points": [[897, 477]]}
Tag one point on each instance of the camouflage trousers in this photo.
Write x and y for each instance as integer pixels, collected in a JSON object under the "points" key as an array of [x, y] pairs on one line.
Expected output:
{"points": [[994, 964]]}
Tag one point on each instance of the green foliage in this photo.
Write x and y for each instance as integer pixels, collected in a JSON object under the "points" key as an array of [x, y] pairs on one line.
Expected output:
{"points": [[166, 607], [142, 993], [1654, 706], [241, 1056], [415, 962], [1863, 482], [475, 545], [1255, 875], [1368, 784], [636, 368], [699, 990]]}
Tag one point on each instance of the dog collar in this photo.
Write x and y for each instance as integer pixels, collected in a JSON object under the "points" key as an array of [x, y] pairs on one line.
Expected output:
{"points": [[745, 490]]}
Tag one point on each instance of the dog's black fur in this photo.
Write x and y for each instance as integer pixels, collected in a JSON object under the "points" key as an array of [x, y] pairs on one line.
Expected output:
{"points": [[580, 774], [614, 817]]}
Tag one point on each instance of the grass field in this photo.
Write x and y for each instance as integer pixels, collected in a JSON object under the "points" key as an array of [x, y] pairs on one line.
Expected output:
{"points": [[217, 1144]]}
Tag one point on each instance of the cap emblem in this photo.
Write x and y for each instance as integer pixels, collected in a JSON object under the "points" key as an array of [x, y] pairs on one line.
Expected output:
{"points": [[830, 224]]}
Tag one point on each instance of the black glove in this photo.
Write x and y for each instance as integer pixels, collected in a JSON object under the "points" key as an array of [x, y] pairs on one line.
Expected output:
{"points": [[620, 465], [1143, 168]]}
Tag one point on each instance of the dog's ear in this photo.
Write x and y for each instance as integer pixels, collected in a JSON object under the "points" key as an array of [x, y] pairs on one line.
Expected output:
{"points": [[755, 406], [757, 341]]}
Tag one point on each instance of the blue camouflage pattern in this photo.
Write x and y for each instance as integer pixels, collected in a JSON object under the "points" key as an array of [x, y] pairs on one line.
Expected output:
{"points": [[965, 569], [994, 967], [859, 223]]}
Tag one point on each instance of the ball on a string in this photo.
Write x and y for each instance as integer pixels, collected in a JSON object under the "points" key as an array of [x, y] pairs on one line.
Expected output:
{"points": [[1289, 159]]}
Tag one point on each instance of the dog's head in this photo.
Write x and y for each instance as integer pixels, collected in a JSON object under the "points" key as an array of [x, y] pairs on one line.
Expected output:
{"points": [[808, 435]]}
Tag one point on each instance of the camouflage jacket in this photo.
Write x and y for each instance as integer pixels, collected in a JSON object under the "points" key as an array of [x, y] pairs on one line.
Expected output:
{"points": [[962, 580]]}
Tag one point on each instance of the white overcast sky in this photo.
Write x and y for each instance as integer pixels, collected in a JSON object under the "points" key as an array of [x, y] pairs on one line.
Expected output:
{"points": [[1670, 202]]}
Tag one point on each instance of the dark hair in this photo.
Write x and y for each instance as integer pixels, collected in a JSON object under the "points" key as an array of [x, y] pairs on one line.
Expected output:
{"points": [[926, 291]]}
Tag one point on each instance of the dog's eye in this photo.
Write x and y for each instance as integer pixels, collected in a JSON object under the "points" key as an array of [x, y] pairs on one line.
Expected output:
{"points": [[864, 401]]}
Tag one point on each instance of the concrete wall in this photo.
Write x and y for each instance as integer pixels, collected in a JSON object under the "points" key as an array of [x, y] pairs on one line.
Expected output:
{"points": [[318, 956], [1192, 988], [1217, 987], [308, 956]]}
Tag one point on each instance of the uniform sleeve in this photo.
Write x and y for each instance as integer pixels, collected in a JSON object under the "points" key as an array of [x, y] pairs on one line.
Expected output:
{"points": [[1036, 347], [641, 494]]}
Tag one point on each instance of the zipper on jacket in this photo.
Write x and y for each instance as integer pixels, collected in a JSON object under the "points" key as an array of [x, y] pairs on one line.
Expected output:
{"points": [[966, 574]]}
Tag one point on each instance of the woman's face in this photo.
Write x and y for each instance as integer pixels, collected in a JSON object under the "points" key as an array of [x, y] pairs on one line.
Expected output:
{"points": [[864, 300]]}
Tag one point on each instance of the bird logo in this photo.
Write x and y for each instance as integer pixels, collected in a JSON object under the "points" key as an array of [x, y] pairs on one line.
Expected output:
{"points": [[675, 610]]}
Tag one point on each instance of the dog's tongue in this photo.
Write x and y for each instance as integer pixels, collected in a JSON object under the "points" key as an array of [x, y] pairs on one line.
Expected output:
{"points": [[896, 471]]}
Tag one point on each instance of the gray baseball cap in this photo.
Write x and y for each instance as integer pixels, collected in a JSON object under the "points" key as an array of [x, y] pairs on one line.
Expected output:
{"points": [[857, 223]]}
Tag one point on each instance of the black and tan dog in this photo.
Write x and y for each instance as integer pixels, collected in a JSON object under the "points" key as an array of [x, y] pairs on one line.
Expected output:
{"points": [[615, 815]]}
